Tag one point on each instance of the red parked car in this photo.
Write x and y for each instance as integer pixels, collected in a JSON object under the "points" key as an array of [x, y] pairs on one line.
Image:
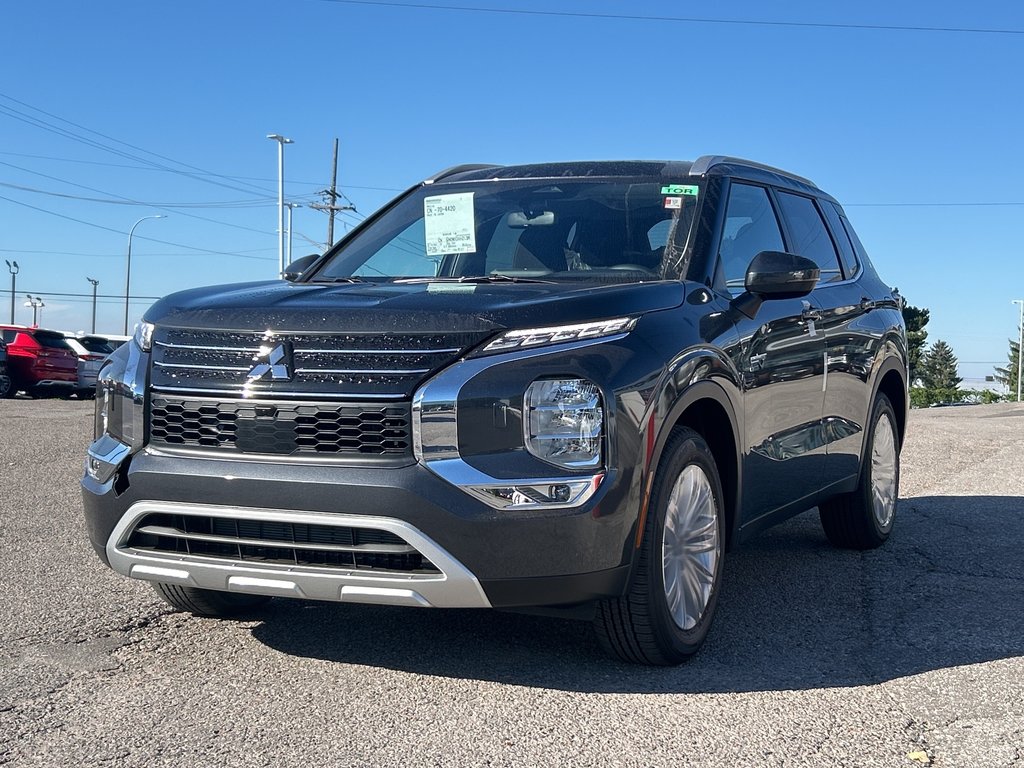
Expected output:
{"points": [[39, 362]]}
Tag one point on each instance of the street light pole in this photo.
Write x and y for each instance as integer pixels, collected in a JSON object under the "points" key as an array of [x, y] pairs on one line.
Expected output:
{"points": [[281, 141], [95, 284], [36, 302], [1020, 343], [128, 270], [13, 269], [291, 207]]}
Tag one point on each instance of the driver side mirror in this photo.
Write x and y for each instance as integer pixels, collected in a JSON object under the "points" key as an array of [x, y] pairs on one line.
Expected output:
{"points": [[776, 275], [294, 270]]}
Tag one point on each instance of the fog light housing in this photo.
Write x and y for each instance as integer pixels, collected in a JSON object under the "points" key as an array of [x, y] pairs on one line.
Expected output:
{"points": [[564, 424]]}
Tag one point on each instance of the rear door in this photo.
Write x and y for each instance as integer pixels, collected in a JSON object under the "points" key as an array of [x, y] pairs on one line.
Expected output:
{"points": [[849, 341]]}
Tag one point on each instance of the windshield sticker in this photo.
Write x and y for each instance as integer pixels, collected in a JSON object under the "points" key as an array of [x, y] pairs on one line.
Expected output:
{"points": [[450, 288], [449, 224], [673, 203], [679, 189]]}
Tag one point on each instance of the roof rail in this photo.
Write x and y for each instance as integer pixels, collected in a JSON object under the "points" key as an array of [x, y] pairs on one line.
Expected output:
{"points": [[459, 169], [705, 163]]}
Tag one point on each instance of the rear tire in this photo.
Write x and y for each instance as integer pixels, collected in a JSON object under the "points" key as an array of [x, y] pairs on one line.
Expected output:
{"points": [[863, 518], [668, 611], [7, 388], [209, 602]]}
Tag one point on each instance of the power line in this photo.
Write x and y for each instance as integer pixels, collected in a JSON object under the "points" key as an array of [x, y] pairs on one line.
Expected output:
{"points": [[137, 237], [130, 200], [125, 201], [687, 19], [121, 255], [165, 170], [47, 126], [88, 296]]}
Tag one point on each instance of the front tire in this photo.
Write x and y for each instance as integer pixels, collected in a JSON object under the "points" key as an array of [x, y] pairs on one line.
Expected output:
{"points": [[667, 613], [209, 602], [7, 388], [863, 518]]}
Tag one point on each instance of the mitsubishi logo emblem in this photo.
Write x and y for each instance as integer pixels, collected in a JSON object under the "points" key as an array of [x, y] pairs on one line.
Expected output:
{"points": [[275, 360]]}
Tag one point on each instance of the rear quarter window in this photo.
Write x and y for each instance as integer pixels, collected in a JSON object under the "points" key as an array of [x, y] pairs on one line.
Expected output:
{"points": [[839, 231]]}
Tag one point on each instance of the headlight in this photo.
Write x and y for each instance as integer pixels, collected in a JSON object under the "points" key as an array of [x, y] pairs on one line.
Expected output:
{"points": [[558, 334], [564, 422], [144, 335]]}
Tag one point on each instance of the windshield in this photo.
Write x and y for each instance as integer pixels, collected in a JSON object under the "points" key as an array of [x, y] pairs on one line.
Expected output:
{"points": [[586, 229]]}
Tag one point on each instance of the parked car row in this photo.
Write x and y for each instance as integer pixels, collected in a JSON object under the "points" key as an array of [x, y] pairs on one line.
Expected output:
{"points": [[45, 363]]}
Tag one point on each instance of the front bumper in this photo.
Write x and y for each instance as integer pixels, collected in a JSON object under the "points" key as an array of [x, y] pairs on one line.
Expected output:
{"points": [[486, 556]]}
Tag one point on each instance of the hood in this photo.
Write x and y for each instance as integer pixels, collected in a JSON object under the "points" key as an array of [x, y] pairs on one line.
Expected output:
{"points": [[427, 307]]}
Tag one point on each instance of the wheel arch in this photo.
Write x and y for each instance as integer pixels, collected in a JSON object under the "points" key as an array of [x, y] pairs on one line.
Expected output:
{"points": [[705, 407]]}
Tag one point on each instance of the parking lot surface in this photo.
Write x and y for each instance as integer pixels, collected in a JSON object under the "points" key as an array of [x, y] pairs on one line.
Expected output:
{"points": [[817, 657]]}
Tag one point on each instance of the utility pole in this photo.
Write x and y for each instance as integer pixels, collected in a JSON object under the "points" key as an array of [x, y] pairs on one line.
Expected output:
{"points": [[331, 197], [1020, 343], [281, 141], [333, 192], [95, 284], [13, 269]]}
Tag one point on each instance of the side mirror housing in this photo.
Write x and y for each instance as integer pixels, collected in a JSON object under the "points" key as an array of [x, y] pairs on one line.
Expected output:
{"points": [[776, 275], [294, 270]]}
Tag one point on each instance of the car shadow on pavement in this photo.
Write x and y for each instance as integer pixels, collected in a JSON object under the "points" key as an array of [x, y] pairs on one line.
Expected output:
{"points": [[946, 590]]}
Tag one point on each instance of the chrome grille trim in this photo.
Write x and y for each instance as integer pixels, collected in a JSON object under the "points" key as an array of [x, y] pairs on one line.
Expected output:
{"points": [[175, 533], [360, 365], [452, 586]]}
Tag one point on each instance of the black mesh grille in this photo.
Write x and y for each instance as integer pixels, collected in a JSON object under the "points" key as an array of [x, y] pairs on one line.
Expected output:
{"points": [[281, 428], [286, 543]]}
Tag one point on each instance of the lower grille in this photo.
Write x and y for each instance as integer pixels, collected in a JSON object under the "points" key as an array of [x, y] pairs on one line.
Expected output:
{"points": [[283, 543], [281, 429]]}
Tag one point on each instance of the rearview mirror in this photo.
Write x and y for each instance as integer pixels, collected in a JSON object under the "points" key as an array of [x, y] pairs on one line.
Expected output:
{"points": [[522, 220], [294, 270]]}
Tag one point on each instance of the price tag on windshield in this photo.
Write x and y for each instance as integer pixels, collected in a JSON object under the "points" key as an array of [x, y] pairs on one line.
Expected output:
{"points": [[449, 224]]}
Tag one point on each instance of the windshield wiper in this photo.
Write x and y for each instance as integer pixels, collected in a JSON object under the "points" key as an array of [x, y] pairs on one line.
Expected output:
{"points": [[338, 280], [497, 277]]}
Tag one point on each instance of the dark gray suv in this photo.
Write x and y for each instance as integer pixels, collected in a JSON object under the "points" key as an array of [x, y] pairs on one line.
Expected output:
{"points": [[567, 386]]}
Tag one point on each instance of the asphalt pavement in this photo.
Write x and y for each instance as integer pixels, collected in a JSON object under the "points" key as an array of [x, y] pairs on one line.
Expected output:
{"points": [[818, 657]]}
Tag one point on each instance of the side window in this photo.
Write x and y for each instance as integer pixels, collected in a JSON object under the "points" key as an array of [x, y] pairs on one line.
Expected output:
{"points": [[846, 254], [862, 255], [750, 227], [810, 238], [8, 335]]}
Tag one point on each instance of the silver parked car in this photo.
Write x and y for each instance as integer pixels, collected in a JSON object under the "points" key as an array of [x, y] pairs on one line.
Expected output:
{"points": [[91, 351]]}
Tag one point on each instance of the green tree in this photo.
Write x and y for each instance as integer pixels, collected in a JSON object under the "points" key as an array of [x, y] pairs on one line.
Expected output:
{"points": [[1008, 376], [938, 372], [916, 319]]}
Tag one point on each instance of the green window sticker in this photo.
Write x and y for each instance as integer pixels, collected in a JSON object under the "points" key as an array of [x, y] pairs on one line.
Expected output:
{"points": [[680, 189]]}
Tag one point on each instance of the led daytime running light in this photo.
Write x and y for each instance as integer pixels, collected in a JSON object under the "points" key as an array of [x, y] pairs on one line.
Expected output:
{"points": [[535, 337]]}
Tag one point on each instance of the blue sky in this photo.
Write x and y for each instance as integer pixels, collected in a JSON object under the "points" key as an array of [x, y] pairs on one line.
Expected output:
{"points": [[917, 133]]}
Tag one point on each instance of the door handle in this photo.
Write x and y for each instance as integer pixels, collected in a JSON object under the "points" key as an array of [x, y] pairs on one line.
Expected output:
{"points": [[810, 313]]}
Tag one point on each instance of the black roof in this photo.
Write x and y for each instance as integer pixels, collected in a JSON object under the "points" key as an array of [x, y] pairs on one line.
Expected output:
{"points": [[658, 169], [673, 170]]}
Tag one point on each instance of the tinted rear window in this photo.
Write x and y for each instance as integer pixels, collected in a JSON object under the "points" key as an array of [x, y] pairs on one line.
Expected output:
{"points": [[99, 346], [50, 340]]}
